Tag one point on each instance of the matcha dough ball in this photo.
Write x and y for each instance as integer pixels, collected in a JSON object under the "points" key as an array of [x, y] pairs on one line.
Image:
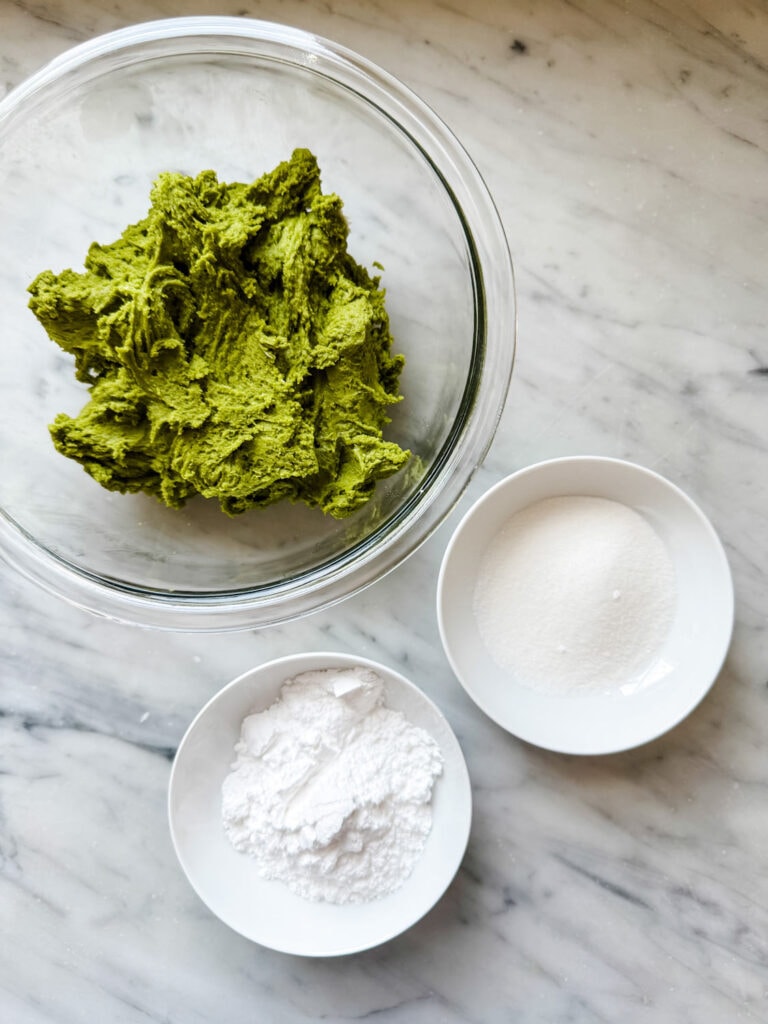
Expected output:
{"points": [[232, 348]]}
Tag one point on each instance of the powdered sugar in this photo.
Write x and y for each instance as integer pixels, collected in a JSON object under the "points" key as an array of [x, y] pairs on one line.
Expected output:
{"points": [[331, 790], [575, 594]]}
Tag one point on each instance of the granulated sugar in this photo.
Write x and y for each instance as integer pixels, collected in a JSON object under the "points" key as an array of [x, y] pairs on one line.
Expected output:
{"points": [[575, 594]]}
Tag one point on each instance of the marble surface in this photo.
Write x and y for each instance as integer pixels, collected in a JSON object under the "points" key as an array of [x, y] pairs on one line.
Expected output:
{"points": [[626, 146]]}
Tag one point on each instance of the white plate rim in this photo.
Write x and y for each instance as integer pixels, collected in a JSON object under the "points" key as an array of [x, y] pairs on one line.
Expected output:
{"points": [[539, 737], [418, 905]]}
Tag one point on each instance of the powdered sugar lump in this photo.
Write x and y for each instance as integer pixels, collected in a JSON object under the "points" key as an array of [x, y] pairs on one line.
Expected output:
{"points": [[331, 791]]}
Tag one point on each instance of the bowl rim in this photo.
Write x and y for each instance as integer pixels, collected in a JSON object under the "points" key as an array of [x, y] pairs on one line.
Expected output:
{"points": [[483, 399], [575, 740], [461, 812]]}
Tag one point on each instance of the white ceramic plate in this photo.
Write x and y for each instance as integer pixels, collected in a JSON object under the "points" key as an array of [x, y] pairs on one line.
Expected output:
{"points": [[686, 665], [267, 911]]}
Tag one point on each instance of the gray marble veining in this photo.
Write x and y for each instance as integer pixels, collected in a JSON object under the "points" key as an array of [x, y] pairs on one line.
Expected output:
{"points": [[626, 146]]}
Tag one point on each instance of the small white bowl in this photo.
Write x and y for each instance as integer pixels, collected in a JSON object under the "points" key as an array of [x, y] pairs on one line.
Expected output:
{"points": [[268, 912], [687, 664]]}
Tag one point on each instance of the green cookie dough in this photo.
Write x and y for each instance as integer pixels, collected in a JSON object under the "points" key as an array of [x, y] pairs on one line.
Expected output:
{"points": [[232, 348]]}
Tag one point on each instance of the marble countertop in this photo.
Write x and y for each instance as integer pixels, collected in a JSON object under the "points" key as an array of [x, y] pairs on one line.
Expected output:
{"points": [[626, 145]]}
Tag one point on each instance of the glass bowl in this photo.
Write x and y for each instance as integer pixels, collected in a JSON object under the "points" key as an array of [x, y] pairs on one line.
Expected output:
{"points": [[80, 143]]}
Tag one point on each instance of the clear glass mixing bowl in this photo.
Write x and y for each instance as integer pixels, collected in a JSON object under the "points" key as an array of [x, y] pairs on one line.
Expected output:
{"points": [[80, 143]]}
